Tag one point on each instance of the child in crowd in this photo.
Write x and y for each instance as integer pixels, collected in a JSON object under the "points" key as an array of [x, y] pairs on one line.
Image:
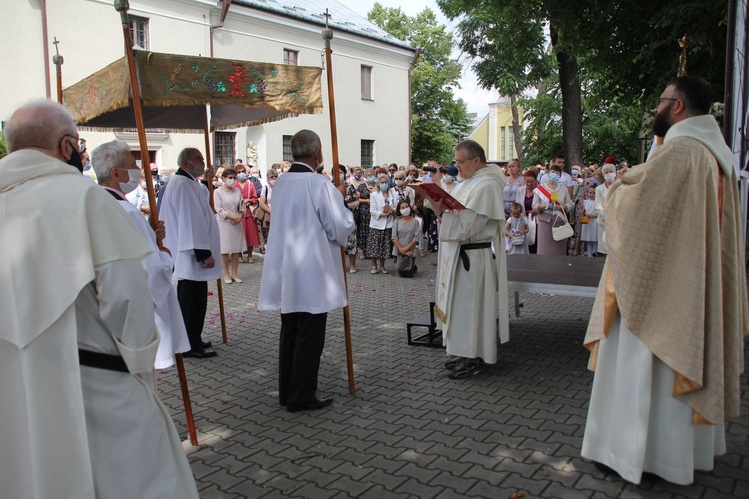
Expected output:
{"points": [[589, 231], [516, 229], [406, 233]]}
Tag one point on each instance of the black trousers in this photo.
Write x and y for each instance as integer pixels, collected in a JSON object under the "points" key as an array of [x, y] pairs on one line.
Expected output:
{"points": [[193, 301], [302, 341]]}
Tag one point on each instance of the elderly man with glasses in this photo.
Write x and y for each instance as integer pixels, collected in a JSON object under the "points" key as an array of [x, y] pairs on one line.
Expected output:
{"points": [[471, 283]]}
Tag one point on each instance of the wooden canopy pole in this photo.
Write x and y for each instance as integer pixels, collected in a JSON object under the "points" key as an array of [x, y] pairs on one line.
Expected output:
{"points": [[58, 60], [219, 284], [327, 35], [122, 6]]}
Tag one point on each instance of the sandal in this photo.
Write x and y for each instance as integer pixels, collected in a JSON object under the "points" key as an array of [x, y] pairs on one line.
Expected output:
{"points": [[352, 271], [373, 271], [383, 271]]}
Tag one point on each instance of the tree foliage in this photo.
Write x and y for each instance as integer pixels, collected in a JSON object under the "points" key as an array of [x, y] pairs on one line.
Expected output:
{"points": [[624, 52], [3, 147], [438, 119]]}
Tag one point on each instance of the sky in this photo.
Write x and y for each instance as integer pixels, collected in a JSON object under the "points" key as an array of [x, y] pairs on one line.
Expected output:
{"points": [[477, 99]]}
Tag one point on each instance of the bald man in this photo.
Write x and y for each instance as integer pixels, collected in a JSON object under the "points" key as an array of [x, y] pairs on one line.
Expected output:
{"points": [[78, 340]]}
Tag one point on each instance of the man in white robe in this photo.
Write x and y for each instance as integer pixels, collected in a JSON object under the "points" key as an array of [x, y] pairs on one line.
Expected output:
{"points": [[193, 239], [78, 339], [471, 283], [667, 329], [303, 273], [117, 171]]}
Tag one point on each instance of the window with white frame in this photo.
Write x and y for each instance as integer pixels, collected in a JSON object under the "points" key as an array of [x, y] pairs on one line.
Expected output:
{"points": [[367, 153], [287, 148], [139, 32], [503, 144], [367, 83], [291, 57], [224, 147]]}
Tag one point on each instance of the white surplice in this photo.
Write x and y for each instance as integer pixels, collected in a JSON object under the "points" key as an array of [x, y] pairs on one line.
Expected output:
{"points": [[169, 323], [302, 270], [190, 225], [469, 302]]}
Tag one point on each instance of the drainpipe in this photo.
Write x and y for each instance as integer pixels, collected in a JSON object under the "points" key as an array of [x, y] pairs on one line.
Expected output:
{"points": [[45, 43], [417, 54], [224, 11]]}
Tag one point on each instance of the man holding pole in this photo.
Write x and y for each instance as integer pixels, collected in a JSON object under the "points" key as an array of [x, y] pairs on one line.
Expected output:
{"points": [[194, 241], [303, 273], [666, 333], [117, 171], [78, 340]]}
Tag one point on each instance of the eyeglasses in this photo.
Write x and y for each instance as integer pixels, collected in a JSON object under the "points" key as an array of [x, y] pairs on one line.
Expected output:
{"points": [[461, 161], [661, 99]]}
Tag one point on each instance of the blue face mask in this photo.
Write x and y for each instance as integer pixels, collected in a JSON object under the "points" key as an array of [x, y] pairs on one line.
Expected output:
{"points": [[242, 176], [357, 176], [384, 187], [554, 177], [371, 180]]}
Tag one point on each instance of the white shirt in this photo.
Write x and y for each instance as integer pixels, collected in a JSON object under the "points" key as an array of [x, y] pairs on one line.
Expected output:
{"points": [[191, 225], [302, 270]]}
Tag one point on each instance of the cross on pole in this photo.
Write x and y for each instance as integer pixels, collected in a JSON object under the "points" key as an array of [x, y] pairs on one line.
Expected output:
{"points": [[55, 43], [327, 17]]}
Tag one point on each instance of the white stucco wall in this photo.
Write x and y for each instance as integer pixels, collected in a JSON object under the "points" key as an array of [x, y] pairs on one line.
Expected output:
{"points": [[91, 37]]}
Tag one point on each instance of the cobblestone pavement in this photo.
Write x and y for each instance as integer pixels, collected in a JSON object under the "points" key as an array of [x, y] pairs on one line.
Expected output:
{"points": [[409, 431]]}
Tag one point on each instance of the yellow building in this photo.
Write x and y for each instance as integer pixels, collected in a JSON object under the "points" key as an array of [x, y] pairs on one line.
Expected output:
{"points": [[494, 131]]}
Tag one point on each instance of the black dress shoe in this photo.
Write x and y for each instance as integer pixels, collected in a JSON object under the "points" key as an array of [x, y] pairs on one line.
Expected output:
{"points": [[203, 353], [206, 344], [314, 404]]}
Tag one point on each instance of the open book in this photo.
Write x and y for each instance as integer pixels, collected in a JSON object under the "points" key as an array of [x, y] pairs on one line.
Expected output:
{"points": [[435, 193]]}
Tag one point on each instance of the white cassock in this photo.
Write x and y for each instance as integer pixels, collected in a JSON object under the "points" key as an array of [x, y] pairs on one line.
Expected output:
{"points": [[660, 436], [169, 323], [303, 270], [469, 302], [72, 430], [191, 225]]}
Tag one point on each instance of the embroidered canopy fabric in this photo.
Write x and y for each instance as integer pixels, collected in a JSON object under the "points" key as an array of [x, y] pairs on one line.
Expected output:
{"points": [[175, 90]]}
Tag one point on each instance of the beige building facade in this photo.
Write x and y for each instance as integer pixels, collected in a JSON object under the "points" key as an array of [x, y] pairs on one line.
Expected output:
{"points": [[371, 69]]}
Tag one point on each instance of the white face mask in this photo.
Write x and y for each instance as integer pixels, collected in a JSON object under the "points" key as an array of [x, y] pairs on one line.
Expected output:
{"points": [[132, 182], [406, 211], [229, 182], [198, 169], [271, 181], [609, 177]]}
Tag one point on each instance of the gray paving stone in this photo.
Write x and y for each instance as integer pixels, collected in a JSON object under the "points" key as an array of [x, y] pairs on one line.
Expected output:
{"points": [[410, 431]]}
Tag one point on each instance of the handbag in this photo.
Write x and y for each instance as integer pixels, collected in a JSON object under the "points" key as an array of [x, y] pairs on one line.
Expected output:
{"points": [[584, 219], [531, 221], [518, 240], [563, 231]]}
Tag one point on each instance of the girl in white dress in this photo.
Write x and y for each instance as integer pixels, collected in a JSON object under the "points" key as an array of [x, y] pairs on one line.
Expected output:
{"points": [[589, 231], [516, 230]]}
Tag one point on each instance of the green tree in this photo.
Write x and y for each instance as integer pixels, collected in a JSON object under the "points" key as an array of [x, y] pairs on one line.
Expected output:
{"points": [[3, 147], [438, 118], [627, 48]]}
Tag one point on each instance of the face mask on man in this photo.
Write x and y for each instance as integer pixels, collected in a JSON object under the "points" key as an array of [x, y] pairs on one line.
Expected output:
{"points": [[132, 180], [198, 169], [554, 177], [75, 160], [271, 181]]}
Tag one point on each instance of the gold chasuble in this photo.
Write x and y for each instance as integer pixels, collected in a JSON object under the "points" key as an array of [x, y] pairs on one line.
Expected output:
{"points": [[678, 278]]}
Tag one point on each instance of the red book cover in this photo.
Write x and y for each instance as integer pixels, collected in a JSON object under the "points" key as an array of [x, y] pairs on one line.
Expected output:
{"points": [[436, 193]]}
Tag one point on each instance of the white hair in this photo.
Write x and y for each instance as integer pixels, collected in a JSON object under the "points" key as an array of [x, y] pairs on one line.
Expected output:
{"points": [[40, 124], [107, 156], [608, 168]]}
